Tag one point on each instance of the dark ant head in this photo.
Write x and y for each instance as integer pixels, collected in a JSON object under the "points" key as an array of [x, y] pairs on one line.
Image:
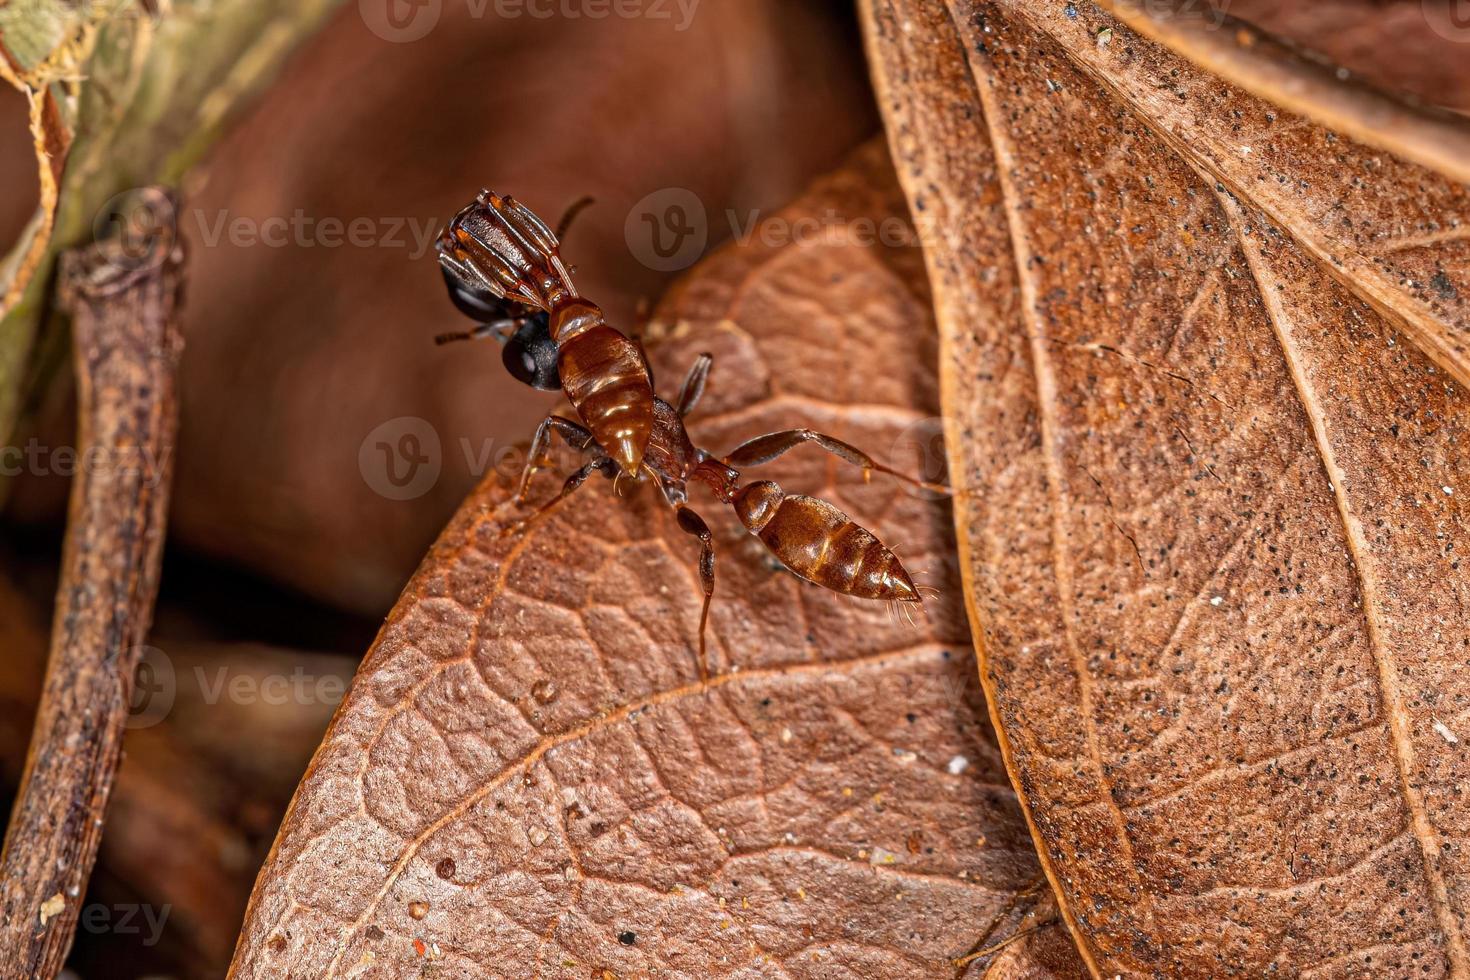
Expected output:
{"points": [[475, 302], [497, 246], [530, 354]]}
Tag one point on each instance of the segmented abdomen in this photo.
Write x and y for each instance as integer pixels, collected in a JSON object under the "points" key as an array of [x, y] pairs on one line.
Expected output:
{"points": [[606, 380], [821, 544]]}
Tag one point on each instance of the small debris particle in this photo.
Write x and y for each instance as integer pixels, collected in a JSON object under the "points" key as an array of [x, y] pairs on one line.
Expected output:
{"points": [[1448, 491], [570, 873], [373, 934], [538, 835], [435, 952], [905, 757], [545, 690], [880, 856], [958, 765], [277, 943], [1216, 600], [847, 791], [1445, 733], [419, 947], [980, 841], [724, 923], [445, 869], [786, 736], [627, 937], [52, 907], [801, 894], [1105, 37], [915, 843], [417, 910]]}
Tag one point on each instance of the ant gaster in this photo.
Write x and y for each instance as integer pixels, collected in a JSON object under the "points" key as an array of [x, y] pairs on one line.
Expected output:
{"points": [[812, 538]]}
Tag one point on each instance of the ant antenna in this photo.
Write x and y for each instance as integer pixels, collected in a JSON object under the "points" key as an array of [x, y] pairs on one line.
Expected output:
{"points": [[570, 214]]}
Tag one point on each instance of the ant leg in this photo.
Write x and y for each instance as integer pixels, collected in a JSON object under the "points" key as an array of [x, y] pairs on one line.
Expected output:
{"points": [[570, 214], [499, 329], [693, 389], [763, 449], [693, 524], [573, 434], [573, 482]]}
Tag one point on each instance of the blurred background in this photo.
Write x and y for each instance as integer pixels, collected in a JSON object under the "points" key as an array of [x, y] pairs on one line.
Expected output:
{"points": [[325, 440]]}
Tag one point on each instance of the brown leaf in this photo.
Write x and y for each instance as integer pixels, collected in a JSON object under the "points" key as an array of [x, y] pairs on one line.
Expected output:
{"points": [[1217, 498], [529, 778], [1271, 68], [1411, 46]]}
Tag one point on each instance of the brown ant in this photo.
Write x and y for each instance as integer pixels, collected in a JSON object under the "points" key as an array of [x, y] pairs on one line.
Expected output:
{"points": [[501, 261], [812, 538]]}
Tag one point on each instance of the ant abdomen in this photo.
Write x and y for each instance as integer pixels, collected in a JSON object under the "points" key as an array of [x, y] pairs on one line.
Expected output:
{"points": [[820, 543], [604, 375]]}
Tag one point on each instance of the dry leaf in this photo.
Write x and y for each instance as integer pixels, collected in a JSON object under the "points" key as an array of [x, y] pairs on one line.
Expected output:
{"points": [[1412, 46], [1266, 66], [1218, 498], [529, 778]]}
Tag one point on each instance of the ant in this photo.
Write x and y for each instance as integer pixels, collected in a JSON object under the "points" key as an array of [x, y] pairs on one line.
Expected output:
{"points": [[502, 265], [524, 289]]}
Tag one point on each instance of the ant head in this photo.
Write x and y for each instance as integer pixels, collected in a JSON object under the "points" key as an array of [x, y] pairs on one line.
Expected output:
{"points": [[530, 354], [496, 246], [473, 300]]}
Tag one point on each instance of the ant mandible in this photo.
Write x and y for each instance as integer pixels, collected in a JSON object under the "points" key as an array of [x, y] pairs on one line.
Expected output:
{"points": [[502, 266]]}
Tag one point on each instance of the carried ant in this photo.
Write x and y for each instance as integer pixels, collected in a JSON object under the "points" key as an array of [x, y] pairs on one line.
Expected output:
{"points": [[502, 266]]}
